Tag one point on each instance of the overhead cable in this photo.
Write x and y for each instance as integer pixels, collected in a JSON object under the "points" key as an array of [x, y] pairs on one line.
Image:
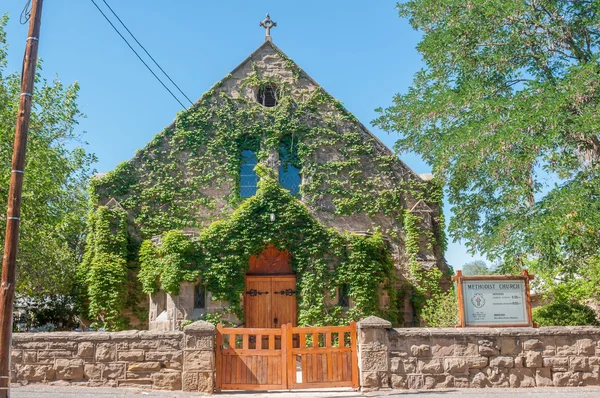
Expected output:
{"points": [[138, 55]]}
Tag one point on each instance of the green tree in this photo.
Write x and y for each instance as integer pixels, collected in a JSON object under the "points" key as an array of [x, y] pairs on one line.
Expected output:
{"points": [[56, 174], [506, 113], [477, 267]]}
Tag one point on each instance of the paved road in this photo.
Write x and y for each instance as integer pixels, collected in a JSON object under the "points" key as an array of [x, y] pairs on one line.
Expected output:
{"points": [[82, 392]]}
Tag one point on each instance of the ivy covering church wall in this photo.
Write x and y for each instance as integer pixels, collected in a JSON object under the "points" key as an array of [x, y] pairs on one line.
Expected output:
{"points": [[324, 259], [188, 175]]}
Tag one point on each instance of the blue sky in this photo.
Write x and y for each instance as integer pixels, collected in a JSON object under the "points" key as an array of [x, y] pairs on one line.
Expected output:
{"points": [[359, 51]]}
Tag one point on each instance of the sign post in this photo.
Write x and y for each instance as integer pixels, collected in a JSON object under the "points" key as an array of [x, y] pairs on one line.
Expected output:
{"points": [[494, 300]]}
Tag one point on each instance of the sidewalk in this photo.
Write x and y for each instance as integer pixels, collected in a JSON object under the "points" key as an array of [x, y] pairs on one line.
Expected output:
{"points": [[40, 391]]}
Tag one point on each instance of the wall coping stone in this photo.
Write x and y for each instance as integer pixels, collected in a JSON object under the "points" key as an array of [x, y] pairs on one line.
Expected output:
{"points": [[201, 327], [97, 336], [495, 332], [374, 322]]}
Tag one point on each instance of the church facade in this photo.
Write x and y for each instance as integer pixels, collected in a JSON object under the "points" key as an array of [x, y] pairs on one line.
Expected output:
{"points": [[266, 202]]}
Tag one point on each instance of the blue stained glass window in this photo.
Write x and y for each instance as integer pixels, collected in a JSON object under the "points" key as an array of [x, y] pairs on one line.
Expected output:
{"points": [[289, 174], [248, 177]]}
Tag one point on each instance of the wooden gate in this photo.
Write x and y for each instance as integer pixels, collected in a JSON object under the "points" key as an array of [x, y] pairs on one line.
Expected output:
{"points": [[286, 358]]}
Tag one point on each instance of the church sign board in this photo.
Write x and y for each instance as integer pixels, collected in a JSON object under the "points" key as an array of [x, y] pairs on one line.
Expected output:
{"points": [[494, 300]]}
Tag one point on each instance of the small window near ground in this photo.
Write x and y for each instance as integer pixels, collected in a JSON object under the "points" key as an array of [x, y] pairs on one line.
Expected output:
{"points": [[268, 96], [248, 177], [344, 296], [200, 297]]}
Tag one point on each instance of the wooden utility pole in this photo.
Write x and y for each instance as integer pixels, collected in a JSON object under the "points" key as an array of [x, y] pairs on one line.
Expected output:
{"points": [[13, 215]]}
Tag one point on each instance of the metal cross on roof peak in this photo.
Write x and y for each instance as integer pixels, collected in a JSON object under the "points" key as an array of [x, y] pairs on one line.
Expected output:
{"points": [[268, 24]]}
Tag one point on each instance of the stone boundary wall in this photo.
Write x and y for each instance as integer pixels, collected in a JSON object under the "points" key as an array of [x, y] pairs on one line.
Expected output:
{"points": [[180, 360], [477, 357]]}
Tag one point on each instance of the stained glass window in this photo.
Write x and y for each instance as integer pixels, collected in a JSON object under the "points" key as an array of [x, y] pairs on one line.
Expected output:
{"points": [[289, 173], [248, 177]]}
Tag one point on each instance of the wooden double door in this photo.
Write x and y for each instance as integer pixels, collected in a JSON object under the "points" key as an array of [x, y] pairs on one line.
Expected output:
{"points": [[270, 301]]}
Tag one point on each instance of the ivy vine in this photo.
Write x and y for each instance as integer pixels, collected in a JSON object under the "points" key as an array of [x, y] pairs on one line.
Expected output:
{"points": [[188, 177]]}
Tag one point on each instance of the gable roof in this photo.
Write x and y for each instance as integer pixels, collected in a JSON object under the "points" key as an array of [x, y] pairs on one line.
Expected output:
{"points": [[269, 43]]}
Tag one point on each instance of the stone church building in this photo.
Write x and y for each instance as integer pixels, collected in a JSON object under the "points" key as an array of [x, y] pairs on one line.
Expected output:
{"points": [[201, 170]]}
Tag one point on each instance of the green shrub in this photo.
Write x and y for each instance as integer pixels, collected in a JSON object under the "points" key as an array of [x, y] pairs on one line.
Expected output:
{"points": [[564, 314]]}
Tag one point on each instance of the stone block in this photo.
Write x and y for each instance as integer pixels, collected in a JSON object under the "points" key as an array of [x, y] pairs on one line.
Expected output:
{"points": [[69, 369], [93, 371], [438, 381], [455, 365], [85, 349], [190, 381], [144, 384], [62, 345], [199, 342], [166, 381], [35, 372], [566, 346], [442, 348], [478, 380], [143, 366], [47, 354], [206, 382], [431, 366], [410, 365], [502, 362], [586, 347], [497, 378], [398, 382], [16, 356], [590, 378], [557, 364], [164, 356], [198, 360], [543, 377], [422, 350], [131, 356], [114, 371], [397, 366], [374, 360], [566, 379], [106, 352], [521, 378], [415, 382], [533, 359], [477, 362], [29, 356], [510, 346], [466, 349], [594, 361], [578, 364], [533, 344], [488, 348], [370, 380]]}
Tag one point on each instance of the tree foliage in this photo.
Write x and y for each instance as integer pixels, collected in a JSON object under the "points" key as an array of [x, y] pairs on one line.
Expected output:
{"points": [[56, 173], [505, 111], [477, 267], [564, 314]]}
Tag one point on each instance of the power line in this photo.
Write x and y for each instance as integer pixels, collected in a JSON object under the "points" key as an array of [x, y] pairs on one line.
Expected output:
{"points": [[138, 55], [146, 51]]}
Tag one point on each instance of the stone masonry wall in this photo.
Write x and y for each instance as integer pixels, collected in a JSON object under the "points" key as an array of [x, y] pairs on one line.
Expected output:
{"points": [[477, 357], [154, 360]]}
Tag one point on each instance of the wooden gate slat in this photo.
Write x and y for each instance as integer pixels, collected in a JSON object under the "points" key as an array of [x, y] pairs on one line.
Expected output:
{"points": [[272, 363]]}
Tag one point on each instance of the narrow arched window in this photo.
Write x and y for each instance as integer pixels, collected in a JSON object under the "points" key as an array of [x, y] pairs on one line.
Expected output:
{"points": [[289, 172], [248, 177]]}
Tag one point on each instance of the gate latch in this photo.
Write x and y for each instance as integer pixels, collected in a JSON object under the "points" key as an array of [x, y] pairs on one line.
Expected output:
{"points": [[287, 292]]}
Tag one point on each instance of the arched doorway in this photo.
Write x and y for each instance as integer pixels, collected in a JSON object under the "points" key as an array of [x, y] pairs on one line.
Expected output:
{"points": [[270, 296]]}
